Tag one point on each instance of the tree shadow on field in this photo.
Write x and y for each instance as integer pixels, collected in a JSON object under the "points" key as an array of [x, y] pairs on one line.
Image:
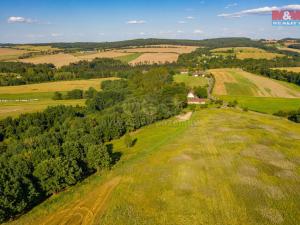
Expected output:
{"points": [[116, 156]]}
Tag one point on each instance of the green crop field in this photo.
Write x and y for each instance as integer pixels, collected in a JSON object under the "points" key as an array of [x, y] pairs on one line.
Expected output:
{"points": [[265, 104], [220, 167], [191, 81], [37, 97]]}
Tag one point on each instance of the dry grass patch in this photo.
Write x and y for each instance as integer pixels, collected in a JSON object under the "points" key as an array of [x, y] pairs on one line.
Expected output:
{"points": [[151, 58]]}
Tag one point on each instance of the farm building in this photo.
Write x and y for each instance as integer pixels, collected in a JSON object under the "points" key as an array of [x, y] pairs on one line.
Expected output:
{"points": [[193, 99]]}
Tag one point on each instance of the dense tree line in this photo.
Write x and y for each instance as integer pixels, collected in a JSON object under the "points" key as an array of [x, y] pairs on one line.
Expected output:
{"points": [[213, 43], [43, 153]]}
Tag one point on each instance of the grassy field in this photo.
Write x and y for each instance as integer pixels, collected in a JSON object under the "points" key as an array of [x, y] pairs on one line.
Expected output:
{"points": [[36, 97], [14, 109], [238, 82], [290, 69], [54, 86], [222, 167], [265, 104], [10, 54], [129, 58], [191, 81], [246, 53]]}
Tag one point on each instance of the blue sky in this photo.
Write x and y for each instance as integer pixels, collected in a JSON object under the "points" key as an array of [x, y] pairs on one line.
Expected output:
{"points": [[28, 21]]}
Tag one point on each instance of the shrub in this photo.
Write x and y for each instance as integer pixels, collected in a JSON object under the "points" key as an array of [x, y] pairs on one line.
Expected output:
{"points": [[57, 96]]}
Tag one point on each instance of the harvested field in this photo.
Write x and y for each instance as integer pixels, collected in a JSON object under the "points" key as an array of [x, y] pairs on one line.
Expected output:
{"points": [[58, 60], [10, 54], [107, 54], [54, 86], [36, 48], [63, 59], [239, 82], [162, 49], [151, 58]]}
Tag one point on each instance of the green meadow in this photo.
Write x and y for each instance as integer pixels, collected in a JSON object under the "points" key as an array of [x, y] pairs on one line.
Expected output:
{"points": [[129, 58], [265, 104], [222, 166], [191, 81]]}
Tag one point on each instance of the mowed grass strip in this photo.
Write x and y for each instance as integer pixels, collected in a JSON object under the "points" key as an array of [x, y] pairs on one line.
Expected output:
{"points": [[191, 81], [221, 167], [239, 82]]}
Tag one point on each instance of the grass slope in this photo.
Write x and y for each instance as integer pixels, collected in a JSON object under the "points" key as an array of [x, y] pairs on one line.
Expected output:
{"points": [[221, 167]]}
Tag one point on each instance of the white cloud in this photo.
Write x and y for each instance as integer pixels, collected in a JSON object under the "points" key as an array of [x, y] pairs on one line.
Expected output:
{"points": [[259, 11], [180, 32], [189, 17], [181, 22], [136, 22], [19, 19], [142, 33], [56, 35], [231, 5], [198, 31]]}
